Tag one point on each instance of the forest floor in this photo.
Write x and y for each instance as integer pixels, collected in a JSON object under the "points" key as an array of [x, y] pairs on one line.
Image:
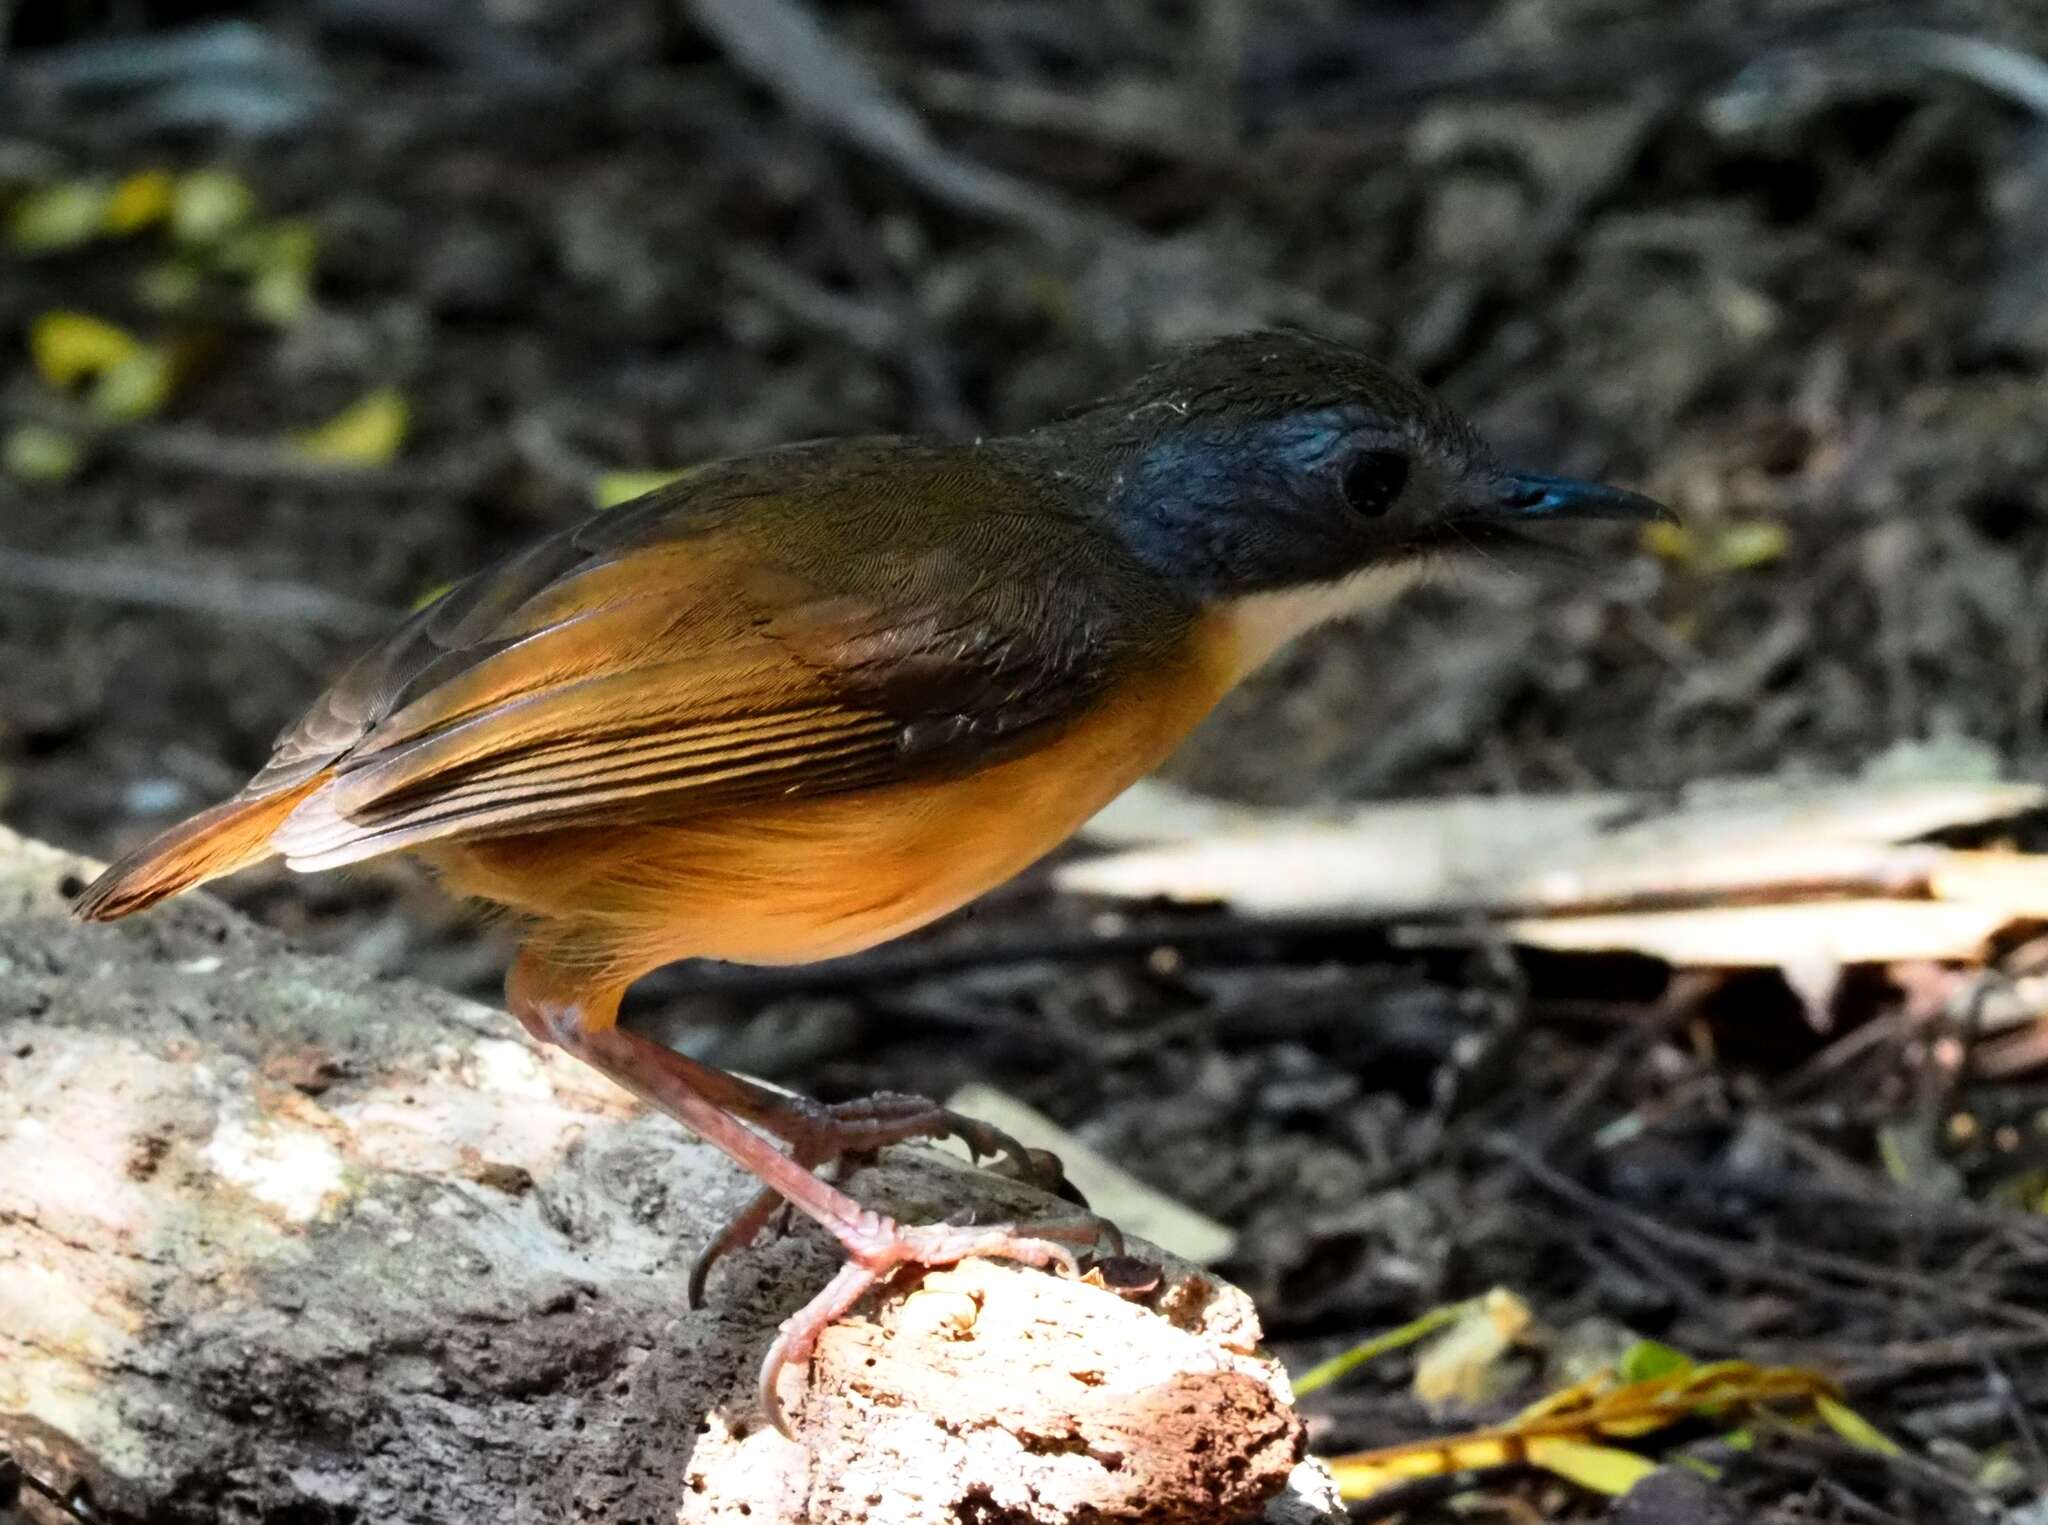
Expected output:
{"points": [[1774, 262]]}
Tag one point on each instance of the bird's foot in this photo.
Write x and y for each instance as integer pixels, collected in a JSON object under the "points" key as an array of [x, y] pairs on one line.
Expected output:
{"points": [[821, 1135], [876, 1248]]}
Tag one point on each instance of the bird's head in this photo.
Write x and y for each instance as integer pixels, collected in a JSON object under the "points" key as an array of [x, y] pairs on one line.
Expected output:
{"points": [[1277, 463]]}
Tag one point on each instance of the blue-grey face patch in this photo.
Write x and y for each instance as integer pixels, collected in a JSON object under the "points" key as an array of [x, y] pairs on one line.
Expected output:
{"points": [[1216, 504]]}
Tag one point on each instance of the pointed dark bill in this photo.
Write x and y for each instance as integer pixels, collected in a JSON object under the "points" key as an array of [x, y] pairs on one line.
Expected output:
{"points": [[1529, 495]]}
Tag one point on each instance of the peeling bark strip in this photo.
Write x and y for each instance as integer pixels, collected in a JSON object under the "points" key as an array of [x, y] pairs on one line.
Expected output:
{"points": [[283, 1241]]}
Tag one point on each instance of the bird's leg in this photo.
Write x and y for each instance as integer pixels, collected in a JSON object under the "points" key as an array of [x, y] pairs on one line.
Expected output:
{"points": [[819, 1135], [875, 1245], [816, 1132]]}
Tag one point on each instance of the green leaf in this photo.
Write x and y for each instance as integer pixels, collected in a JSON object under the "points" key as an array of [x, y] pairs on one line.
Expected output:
{"points": [[135, 387], [34, 453], [1648, 1359], [616, 487], [59, 217], [1853, 1427], [1324, 1373], [208, 204]]}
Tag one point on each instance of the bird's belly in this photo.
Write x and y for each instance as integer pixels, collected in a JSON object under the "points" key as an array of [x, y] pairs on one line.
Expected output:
{"points": [[817, 878], [820, 878]]}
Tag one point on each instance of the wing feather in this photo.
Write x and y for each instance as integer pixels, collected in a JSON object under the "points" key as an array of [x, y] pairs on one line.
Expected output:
{"points": [[668, 661]]}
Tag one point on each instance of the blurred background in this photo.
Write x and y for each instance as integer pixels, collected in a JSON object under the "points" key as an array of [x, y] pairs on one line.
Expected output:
{"points": [[308, 309]]}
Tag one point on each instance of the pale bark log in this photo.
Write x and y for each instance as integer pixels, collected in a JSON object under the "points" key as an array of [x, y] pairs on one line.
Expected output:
{"points": [[281, 1241]]}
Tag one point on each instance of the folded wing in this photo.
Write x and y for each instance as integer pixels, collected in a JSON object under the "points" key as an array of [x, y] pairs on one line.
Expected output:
{"points": [[693, 658]]}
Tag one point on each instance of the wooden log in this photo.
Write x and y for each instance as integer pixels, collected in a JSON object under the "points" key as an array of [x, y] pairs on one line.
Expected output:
{"points": [[283, 1241]]}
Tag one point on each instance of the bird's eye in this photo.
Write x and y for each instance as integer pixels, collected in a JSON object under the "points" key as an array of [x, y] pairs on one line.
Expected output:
{"points": [[1373, 481]]}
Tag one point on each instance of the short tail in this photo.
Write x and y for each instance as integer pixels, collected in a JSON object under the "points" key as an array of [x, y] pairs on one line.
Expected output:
{"points": [[212, 843]]}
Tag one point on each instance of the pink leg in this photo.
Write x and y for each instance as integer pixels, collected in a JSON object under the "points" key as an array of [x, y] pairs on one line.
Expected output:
{"points": [[875, 1246], [821, 1135]]}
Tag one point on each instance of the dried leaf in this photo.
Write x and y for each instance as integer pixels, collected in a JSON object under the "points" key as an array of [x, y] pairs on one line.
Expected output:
{"points": [[369, 432], [1464, 1363]]}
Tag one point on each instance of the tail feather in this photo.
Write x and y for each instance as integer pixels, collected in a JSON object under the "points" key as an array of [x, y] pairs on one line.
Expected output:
{"points": [[212, 843]]}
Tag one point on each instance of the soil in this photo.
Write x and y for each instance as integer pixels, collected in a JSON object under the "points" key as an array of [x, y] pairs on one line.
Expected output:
{"points": [[1778, 262]]}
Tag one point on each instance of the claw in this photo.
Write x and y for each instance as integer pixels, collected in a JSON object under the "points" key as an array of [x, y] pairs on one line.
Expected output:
{"points": [[877, 1248], [742, 1231]]}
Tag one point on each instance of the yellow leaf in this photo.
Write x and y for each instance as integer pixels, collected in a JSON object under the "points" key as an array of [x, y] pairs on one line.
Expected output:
{"points": [[138, 202], [59, 217], [128, 379], [616, 487], [1604, 1469], [35, 453], [70, 347], [1727, 548], [367, 433], [1670, 542], [208, 204], [1853, 1427], [1755, 543]]}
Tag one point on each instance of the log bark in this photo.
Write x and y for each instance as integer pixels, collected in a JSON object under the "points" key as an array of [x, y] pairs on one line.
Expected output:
{"points": [[281, 1241]]}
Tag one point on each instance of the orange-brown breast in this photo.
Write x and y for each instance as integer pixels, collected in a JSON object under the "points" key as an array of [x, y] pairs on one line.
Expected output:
{"points": [[820, 877]]}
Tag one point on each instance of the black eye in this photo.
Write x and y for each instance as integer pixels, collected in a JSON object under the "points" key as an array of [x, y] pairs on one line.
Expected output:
{"points": [[1373, 481]]}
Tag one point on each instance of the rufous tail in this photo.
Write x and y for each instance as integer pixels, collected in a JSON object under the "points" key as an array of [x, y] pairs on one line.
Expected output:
{"points": [[212, 843]]}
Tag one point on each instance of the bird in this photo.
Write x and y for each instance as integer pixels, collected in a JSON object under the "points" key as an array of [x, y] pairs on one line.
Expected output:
{"points": [[804, 701]]}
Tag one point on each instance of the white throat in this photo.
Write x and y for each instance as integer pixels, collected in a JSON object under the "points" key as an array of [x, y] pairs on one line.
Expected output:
{"points": [[1265, 622]]}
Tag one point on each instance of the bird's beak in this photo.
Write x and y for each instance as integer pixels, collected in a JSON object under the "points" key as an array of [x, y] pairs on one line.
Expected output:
{"points": [[1528, 496]]}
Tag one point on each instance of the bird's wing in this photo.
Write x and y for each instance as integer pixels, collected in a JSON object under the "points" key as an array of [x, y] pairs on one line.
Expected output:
{"points": [[694, 660]]}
